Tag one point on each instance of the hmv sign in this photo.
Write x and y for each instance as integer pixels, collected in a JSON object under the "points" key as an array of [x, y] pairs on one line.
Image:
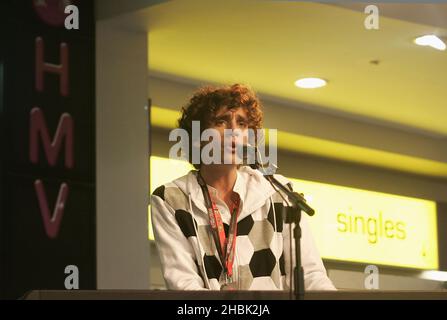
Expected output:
{"points": [[47, 200]]}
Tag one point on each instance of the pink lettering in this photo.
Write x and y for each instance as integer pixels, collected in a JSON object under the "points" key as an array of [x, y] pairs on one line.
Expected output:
{"points": [[51, 223], [62, 70], [38, 127]]}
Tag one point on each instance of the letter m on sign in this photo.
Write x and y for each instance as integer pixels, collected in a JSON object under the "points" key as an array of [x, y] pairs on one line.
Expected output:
{"points": [[38, 128]]}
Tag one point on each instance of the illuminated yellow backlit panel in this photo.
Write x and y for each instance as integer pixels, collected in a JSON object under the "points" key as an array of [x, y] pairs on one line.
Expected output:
{"points": [[371, 227], [164, 170], [351, 224]]}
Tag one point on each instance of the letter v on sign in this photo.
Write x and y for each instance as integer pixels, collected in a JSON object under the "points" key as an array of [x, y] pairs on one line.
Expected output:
{"points": [[51, 222]]}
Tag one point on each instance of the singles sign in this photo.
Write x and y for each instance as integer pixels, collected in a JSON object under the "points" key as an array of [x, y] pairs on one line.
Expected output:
{"points": [[372, 227]]}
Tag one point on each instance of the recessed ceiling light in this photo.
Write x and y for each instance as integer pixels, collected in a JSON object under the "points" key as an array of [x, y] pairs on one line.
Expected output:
{"points": [[431, 41], [310, 83]]}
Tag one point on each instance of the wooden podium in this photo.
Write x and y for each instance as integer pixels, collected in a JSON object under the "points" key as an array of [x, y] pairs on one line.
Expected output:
{"points": [[229, 295]]}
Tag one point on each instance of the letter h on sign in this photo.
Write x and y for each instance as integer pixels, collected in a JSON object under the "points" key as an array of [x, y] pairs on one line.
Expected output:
{"points": [[61, 69]]}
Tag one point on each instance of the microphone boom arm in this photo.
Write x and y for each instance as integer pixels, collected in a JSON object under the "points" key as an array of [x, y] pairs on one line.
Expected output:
{"points": [[297, 200]]}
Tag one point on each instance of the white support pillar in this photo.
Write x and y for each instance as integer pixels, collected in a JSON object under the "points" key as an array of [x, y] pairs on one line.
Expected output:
{"points": [[122, 157]]}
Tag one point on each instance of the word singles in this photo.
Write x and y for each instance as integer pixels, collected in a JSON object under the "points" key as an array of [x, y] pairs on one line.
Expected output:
{"points": [[374, 227], [232, 146]]}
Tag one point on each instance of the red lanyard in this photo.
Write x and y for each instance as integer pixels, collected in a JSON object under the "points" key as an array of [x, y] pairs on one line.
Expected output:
{"points": [[225, 246]]}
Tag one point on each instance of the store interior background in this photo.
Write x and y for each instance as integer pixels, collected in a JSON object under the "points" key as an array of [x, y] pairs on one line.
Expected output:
{"points": [[378, 125]]}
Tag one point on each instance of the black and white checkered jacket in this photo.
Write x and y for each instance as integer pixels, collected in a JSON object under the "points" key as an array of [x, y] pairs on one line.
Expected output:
{"points": [[262, 259]]}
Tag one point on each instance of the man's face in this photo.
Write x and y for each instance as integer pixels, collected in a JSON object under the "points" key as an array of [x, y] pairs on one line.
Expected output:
{"points": [[232, 124]]}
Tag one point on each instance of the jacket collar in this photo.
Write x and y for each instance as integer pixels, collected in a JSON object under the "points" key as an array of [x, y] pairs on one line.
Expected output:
{"points": [[250, 184]]}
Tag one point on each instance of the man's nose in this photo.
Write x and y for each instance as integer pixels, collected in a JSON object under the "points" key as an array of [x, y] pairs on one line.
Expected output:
{"points": [[232, 131], [233, 124]]}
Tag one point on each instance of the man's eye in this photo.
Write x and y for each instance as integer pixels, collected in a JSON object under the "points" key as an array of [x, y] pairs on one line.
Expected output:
{"points": [[220, 122], [242, 123]]}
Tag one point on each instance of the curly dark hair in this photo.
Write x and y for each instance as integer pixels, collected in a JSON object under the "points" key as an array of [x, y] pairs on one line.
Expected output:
{"points": [[208, 100]]}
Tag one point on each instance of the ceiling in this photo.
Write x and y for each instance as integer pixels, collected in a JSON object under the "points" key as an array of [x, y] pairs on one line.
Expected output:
{"points": [[270, 44], [431, 14]]}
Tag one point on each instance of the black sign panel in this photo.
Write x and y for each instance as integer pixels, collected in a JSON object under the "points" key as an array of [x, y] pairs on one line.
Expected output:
{"points": [[47, 217]]}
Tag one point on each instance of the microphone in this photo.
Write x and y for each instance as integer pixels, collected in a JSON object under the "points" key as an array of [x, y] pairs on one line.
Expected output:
{"points": [[249, 156]]}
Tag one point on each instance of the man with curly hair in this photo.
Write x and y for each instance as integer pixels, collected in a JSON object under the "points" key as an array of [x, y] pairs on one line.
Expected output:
{"points": [[220, 227]]}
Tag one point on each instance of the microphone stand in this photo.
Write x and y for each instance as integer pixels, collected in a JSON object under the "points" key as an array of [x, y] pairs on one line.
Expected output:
{"points": [[293, 215]]}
